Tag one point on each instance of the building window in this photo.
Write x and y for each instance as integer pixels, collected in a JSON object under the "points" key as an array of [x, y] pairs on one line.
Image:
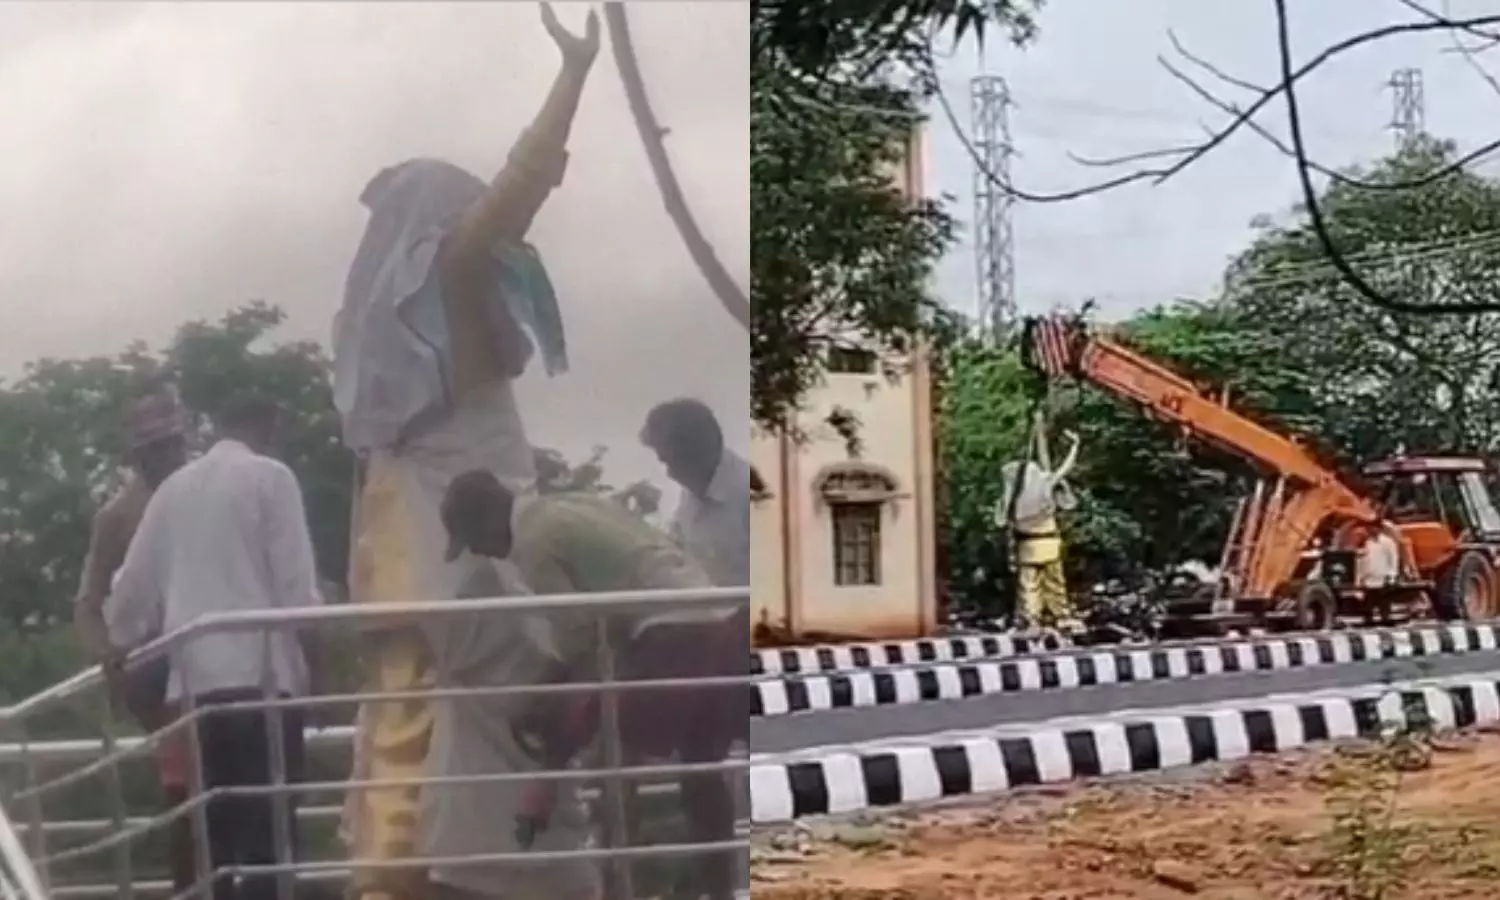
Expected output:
{"points": [[856, 543], [851, 361]]}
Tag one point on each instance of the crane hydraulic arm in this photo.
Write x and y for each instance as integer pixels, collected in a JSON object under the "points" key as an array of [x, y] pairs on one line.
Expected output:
{"points": [[1306, 496]]}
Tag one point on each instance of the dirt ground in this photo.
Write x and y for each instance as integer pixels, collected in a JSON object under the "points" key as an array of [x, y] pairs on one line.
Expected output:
{"points": [[1320, 825]]}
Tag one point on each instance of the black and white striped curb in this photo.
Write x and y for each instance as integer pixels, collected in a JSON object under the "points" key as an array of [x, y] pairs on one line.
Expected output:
{"points": [[843, 657], [846, 780], [955, 681]]}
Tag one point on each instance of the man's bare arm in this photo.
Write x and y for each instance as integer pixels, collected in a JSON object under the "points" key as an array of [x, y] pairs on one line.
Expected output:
{"points": [[106, 553], [536, 162]]}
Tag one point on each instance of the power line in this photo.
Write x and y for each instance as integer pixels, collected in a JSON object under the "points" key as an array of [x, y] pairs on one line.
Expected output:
{"points": [[1424, 251], [1309, 272]]}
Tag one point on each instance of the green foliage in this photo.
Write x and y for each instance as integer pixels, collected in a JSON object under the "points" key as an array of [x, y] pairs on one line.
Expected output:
{"points": [[838, 254], [822, 38], [982, 411], [1177, 495], [555, 474], [1144, 500], [61, 449], [1296, 351], [1378, 381], [61, 457], [1369, 852]]}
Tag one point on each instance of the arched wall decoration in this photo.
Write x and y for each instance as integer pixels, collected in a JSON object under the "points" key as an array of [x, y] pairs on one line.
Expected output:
{"points": [[855, 481], [734, 300]]}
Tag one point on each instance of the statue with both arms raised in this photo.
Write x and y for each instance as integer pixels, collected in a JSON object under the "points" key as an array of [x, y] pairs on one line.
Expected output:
{"points": [[1032, 495]]}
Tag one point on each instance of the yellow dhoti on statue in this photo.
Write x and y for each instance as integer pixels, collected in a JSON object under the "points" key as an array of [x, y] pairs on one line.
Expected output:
{"points": [[391, 738], [397, 557], [1041, 587]]}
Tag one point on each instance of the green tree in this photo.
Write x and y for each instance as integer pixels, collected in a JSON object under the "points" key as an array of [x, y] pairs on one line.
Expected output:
{"points": [[1149, 497], [825, 39], [981, 424], [838, 254], [61, 455], [1296, 351], [1146, 498], [1381, 381]]}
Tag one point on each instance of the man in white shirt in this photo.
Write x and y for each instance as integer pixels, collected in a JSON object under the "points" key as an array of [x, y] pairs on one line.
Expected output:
{"points": [[713, 518], [228, 533]]}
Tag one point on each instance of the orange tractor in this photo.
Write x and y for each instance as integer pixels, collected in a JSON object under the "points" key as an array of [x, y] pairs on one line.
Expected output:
{"points": [[1307, 549]]}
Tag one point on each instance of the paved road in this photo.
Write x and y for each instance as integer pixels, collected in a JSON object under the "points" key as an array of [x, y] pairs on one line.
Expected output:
{"points": [[847, 726]]}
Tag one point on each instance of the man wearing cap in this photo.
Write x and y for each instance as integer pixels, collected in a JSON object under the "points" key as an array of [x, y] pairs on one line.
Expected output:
{"points": [[576, 542], [156, 446]]}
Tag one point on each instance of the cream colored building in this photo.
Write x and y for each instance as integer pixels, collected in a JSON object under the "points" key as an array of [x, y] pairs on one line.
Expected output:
{"points": [[844, 547]]}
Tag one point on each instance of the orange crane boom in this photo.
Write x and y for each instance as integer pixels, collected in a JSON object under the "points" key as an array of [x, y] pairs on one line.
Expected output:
{"points": [[1274, 527]]}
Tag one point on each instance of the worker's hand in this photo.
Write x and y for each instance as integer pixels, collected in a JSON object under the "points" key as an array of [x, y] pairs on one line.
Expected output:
{"points": [[109, 657], [94, 635], [112, 665], [538, 802], [577, 52]]}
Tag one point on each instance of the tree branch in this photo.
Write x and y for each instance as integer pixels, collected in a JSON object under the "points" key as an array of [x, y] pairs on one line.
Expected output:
{"points": [[1468, 53], [1310, 197], [1183, 157], [730, 296]]}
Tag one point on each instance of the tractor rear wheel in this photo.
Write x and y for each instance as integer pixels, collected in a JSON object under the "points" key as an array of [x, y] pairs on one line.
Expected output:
{"points": [[1467, 589], [1317, 607]]}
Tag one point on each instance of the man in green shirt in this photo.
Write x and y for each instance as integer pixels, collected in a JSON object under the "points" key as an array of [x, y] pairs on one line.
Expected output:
{"points": [[564, 543], [587, 543]]}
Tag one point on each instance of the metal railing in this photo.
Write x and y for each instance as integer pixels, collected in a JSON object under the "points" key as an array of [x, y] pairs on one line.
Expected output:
{"points": [[38, 851]]}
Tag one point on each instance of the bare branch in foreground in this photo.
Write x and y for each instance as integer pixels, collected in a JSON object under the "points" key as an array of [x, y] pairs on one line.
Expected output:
{"points": [[1184, 156], [1316, 220]]}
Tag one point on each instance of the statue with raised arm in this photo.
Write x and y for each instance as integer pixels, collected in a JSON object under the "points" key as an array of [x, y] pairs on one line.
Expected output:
{"points": [[445, 306], [1031, 496]]}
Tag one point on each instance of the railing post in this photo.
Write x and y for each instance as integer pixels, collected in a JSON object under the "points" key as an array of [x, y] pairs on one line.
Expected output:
{"points": [[281, 827], [124, 883], [198, 789], [35, 815], [614, 619], [612, 792]]}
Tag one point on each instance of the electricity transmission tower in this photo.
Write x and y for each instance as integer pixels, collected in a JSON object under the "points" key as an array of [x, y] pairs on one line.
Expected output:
{"points": [[994, 241], [1408, 107]]}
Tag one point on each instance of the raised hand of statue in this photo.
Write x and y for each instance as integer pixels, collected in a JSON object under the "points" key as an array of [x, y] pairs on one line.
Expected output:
{"points": [[578, 52]]}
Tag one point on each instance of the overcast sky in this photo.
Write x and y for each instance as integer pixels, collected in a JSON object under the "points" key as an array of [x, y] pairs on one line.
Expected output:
{"points": [[168, 161], [1091, 84]]}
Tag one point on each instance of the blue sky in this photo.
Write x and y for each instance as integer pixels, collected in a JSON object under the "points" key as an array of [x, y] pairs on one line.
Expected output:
{"points": [[1091, 84]]}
